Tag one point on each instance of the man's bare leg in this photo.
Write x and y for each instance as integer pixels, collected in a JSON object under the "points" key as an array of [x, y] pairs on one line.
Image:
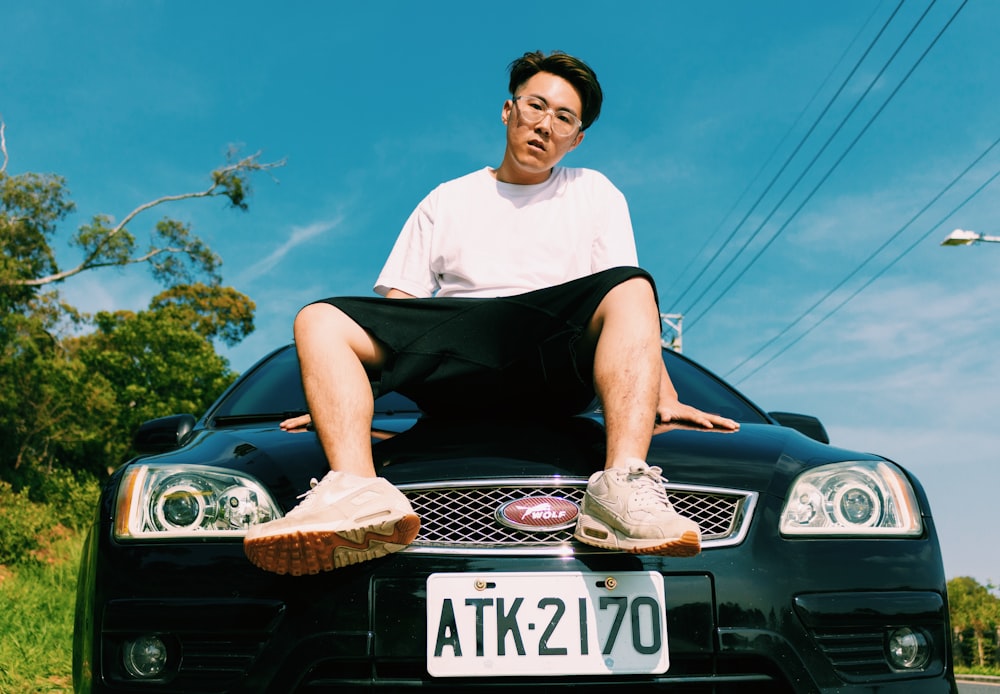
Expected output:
{"points": [[627, 366], [626, 507], [351, 515], [629, 374], [336, 357]]}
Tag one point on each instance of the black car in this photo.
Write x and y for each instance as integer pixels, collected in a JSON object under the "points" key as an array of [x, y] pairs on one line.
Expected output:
{"points": [[820, 569]]}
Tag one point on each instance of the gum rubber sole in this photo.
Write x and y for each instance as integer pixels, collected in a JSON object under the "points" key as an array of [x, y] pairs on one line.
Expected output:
{"points": [[593, 532], [687, 545], [312, 551]]}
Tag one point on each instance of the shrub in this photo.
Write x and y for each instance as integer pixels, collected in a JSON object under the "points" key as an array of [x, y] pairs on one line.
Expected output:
{"points": [[30, 516], [22, 522], [71, 497]]}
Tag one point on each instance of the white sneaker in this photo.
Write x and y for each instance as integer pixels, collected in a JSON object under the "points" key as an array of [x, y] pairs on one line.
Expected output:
{"points": [[344, 519], [628, 510]]}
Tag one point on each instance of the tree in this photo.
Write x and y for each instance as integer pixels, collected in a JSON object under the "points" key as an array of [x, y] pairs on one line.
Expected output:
{"points": [[214, 312], [53, 409], [156, 363], [32, 204], [72, 399], [973, 608]]}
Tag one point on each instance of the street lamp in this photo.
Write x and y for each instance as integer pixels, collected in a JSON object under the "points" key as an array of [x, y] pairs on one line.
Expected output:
{"points": [[961, 237]]}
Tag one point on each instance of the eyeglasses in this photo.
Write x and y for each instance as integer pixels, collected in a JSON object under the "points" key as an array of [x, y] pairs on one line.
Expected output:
{"points": [[533, 110]]}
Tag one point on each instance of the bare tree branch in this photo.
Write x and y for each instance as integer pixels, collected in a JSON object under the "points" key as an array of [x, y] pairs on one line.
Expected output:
{"points": [[226, 181], [3, 146], [118, 263]]}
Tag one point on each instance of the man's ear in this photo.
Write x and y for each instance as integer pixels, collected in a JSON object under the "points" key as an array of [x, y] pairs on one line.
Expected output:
{"points": [[505, 112], [577, 140]]}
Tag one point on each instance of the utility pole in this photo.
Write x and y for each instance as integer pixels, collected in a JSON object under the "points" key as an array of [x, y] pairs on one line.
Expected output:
{"points": [[671, 331]]}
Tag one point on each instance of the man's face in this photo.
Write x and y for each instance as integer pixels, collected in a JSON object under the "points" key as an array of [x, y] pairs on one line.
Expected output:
{"points": [[533, 149]]}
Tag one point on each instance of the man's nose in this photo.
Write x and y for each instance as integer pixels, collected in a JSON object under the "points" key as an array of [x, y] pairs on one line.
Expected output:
{"points": [[546, 122]]}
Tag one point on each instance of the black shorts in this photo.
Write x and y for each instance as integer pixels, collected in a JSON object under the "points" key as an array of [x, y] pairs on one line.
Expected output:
{"points": [[505, 356]]}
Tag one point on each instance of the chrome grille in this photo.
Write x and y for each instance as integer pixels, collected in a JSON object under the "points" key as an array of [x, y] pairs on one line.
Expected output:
{"points": [[460, 516]]}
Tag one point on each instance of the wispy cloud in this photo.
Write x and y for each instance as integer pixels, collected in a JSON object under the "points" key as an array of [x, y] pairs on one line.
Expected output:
{"points": [[298, 236], [123, 290]]}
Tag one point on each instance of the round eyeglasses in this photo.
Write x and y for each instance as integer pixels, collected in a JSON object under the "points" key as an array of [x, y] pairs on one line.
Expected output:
{"points": [[533, 110]]}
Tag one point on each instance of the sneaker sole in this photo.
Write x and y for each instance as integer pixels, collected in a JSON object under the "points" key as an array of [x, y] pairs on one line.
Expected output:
{"points": [[312, 551], [687, 545]]}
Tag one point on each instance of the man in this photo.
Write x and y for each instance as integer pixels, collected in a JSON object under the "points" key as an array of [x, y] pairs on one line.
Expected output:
{"points": [[518, 283]]}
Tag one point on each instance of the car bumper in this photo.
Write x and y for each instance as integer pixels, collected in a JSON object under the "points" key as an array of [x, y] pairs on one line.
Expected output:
{"points": [[758, 617]]}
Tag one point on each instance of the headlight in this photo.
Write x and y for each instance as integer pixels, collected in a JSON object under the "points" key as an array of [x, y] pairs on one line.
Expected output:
{"points": [[175, 501], [854, 498]]}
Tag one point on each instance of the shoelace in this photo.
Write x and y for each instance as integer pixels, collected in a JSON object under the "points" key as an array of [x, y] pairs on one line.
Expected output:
{"points": [[647, 481], [308, 494]]}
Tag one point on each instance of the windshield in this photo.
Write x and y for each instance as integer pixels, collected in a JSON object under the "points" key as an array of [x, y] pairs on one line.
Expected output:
{"points": [[274, 387], [701, 389]]}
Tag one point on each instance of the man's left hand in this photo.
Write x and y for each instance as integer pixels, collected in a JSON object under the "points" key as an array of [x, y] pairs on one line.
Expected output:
{"points": [[676, 412], [296, 423]]}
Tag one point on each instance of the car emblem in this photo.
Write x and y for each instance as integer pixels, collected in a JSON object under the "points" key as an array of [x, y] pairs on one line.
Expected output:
{"points": [[538, 514]]}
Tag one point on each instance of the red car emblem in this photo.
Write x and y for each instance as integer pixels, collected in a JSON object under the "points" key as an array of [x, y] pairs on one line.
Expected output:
{"points": [[538, 513]]}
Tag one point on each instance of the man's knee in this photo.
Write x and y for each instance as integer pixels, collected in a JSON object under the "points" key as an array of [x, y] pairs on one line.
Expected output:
{"points": [[634, 296], [635, 290], [631, 305], [312, 319], [327, 326]]}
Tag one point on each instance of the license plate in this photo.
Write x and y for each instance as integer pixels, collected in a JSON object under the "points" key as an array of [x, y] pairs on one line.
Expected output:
{"points": [[573, 623]]}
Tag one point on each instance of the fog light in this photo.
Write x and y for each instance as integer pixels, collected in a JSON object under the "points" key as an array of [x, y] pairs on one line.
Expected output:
{"points": [[908, 649], [145, 657]]}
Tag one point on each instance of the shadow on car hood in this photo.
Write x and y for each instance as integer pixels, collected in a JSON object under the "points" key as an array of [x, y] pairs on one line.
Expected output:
{"points": [[759, 457]]}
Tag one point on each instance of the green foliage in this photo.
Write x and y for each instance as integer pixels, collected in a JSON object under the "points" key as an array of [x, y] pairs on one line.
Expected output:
{"points": [[32, 204], [71, 497], [155, 364], [975, 621], [69, 400], [102, 244], [73, 402], [21, 524], [975, 670], [58, 499], [214, 312], [189, 256], [52, 408], [30, 207], [232, 182]]}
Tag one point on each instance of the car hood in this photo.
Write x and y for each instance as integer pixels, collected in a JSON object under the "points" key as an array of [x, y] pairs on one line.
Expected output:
{"points": [[759, 457]]}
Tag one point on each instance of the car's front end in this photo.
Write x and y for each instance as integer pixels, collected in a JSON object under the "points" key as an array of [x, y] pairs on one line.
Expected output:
{"points": [[820, 570]]}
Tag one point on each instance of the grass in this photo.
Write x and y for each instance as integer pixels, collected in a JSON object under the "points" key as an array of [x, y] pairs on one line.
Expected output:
{"points": [[36, 617], [976, 670]]}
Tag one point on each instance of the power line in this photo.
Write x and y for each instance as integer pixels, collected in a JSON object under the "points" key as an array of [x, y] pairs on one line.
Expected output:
{"points": [[932, 229], [756, 177], [843, 155], [867, 284], [784, 166], [867, 260]]}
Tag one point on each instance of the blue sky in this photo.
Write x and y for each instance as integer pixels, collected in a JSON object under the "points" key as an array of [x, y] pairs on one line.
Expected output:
{"points": [[776, 161]]}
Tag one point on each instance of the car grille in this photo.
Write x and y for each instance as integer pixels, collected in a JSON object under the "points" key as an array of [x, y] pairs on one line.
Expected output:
{"points": [[461, 516]]}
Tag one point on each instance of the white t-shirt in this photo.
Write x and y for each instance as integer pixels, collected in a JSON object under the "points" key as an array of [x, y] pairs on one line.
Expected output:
{"points": [[477, 237]]}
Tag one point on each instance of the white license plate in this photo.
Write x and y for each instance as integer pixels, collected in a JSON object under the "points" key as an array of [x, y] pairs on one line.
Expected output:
{"points": [[573, 623]]}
